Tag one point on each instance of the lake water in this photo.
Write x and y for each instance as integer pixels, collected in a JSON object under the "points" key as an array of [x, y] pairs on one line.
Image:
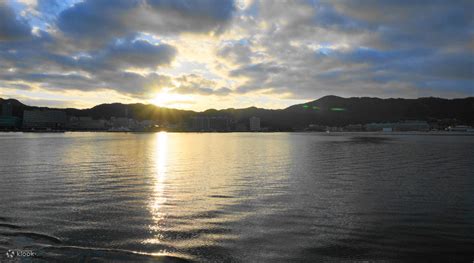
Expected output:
{"points": [[237, 197]]}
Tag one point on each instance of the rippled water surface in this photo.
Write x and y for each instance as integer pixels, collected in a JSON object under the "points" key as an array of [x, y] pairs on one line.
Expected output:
{"points": [[237, 197]]}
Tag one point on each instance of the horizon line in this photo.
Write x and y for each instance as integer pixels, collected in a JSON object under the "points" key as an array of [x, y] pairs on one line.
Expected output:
{"points": [[253, 106]]}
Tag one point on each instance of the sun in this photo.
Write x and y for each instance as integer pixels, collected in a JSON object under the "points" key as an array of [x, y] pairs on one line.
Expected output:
{"points": [[166, 99], [161, 99]]}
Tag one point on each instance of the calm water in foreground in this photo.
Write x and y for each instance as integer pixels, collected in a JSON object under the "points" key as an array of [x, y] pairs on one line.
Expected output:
{"points": [[237, 197]]}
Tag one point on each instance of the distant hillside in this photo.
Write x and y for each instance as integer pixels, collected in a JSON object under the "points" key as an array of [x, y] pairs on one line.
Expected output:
{"points": [[17, 107], [137, 111], [329, 110], [333, 110]]}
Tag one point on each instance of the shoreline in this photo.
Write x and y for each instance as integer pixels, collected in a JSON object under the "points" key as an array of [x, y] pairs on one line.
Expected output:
{"points": [[428, 133]]}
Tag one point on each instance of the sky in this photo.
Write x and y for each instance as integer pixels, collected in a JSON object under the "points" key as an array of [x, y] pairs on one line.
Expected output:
{"points": [[233, 54]]}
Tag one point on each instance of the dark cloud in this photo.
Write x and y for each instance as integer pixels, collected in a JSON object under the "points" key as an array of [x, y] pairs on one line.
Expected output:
{"points": [[27, 54], [327, 17], [35, 61], [38, 53], [215, 10], [12, 27], [18, 86], [406, 64], [363, 70], [238, 52], [203, 90], [121, 55], [93, 22], [257, 70], [408, 23], [361, 47], [132, 84], [196, 84]]}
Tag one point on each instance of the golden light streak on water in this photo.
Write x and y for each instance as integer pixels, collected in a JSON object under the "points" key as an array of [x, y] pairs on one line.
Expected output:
{"points": [[158, 197]]}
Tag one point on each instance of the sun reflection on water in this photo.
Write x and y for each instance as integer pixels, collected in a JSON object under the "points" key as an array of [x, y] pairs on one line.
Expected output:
{"points": [[159, 197]]}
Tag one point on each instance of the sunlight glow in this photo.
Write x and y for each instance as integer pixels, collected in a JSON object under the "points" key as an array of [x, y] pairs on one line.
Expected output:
{"points": [[166, 99], [159, 197]]}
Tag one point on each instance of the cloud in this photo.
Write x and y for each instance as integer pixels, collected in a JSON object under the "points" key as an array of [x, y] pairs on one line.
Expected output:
{"points": [[106, 68], [12, 27], [96, 19], [360, 47], [125, 54], [406, 23], [196, 84], [238, 52], [13, 85], [131, 84], [93, 22], [294, 49], [259, 71], [209, 11]]}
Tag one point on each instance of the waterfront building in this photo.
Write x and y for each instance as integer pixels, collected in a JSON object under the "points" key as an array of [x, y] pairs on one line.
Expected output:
{"points": [[354, 128], [334, 129], [146, 125], [86, 123], [7, 121], [316, 128], [218, 123], [254, 124], [7, 109], [241, 127], [461, 128], [412, 126], [398, 126], [123, 122], [199, 123], [378, 126], [44, 119], [210, 123]]}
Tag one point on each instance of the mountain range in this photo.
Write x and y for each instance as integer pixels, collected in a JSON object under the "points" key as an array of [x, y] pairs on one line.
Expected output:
{"points": [[328, 110]]}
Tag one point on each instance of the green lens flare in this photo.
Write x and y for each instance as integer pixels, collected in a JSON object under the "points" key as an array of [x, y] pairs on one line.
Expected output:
{"points": [[338, 109]]}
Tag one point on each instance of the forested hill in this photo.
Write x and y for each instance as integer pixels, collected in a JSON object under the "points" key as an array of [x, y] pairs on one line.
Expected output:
{"points": [[328, 110]]}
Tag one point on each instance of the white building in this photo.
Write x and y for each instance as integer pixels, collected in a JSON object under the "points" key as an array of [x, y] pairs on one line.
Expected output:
{"points": [[254, 124]]}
